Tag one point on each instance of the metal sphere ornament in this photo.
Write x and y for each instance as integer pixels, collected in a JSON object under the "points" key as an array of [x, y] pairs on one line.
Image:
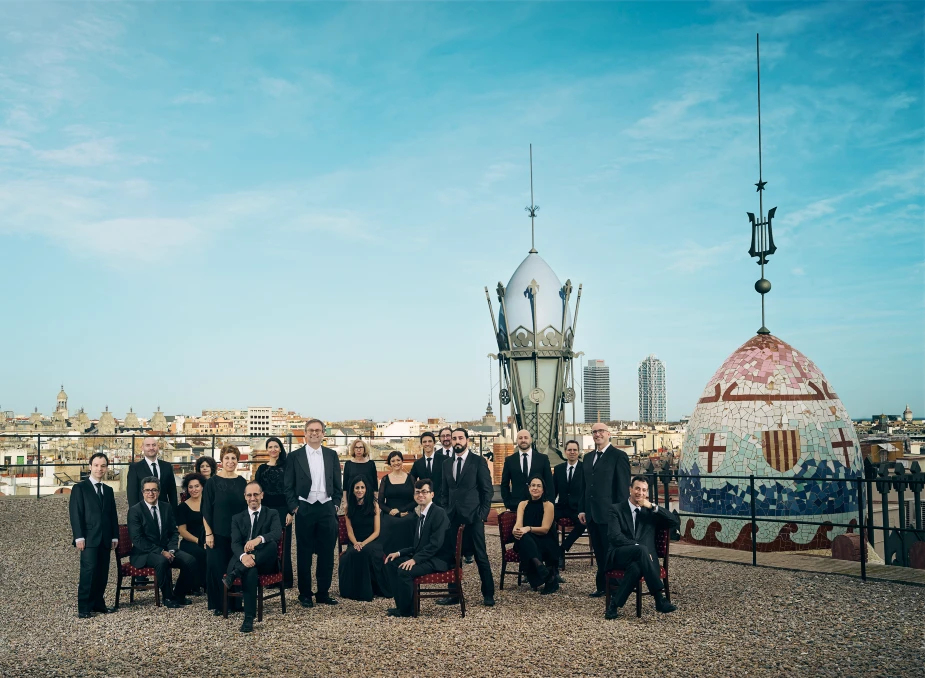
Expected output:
{"points": [[569, 394], [505, 396], [763, 286]]}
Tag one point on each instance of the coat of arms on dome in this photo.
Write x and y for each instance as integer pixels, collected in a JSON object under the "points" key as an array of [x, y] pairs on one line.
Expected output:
{"points": [[711, 451], [781, 449]]}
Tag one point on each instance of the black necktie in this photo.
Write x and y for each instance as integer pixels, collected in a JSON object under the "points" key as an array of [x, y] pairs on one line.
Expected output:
{"points": [[570, 469], [99, 492], [156, 518], [524, 457], [420, 525], [154, 469], [635, 521], [429, 469], [254, 524], [597, 455], [458, 467]]}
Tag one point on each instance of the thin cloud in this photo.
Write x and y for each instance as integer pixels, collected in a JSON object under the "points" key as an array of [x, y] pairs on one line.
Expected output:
{"points": [[197, 97]]}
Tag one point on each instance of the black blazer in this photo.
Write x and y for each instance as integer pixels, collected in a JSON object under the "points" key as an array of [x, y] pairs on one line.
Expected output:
{"points": [[620, 525], [429, 546], [146, 538], [468, 499], [95, 522], [268, 526], [569, 496], [514, 484], [298, 477], [606, 482], [419, 470], [140, 470]]}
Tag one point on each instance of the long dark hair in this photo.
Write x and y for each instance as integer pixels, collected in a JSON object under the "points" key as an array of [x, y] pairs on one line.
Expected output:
{"points": [[353, 507], [281, 461]]}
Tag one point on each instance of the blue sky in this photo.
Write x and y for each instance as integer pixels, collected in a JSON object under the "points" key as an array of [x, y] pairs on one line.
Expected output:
{"points": [[222, 205]]}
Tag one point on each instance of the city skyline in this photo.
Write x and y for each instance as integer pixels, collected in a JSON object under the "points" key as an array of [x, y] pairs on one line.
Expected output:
{"points": [[207, 206]]}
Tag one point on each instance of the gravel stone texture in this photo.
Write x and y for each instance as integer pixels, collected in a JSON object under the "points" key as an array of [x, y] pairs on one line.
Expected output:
{"points": [[733, 620]]}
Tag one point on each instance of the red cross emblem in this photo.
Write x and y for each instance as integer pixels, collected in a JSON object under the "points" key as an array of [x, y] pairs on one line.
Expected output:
{"points": [[710, 448], [845, 444]]}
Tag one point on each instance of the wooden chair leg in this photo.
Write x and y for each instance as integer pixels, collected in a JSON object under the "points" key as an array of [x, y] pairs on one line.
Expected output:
{"points": [[282, 595], [462, 599], [224, 601], [638, 599], [503, 569], [131, 591], [259, 603], [118, 591]]}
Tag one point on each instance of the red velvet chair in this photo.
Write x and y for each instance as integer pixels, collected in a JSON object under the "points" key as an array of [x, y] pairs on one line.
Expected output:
{"points": [[565, 526], [264, 581], [129, 571], [451, 576], [343, 541], [614, 577], [506, 522]]}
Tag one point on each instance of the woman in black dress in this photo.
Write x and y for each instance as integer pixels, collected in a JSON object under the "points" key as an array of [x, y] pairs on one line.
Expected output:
{"points": [[535, 540], [189, 524], [270, 476], [223, 498], [361, 573], [396, 501], [359, 464]]}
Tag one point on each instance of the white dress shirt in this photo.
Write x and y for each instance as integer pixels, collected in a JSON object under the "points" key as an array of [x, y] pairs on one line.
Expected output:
{"points": [[460, 456], [319, 491], [594, 454], [529, 460]]}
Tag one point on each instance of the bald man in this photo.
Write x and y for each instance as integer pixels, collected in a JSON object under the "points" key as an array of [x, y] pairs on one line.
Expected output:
{"points": [[519, 468], [150, 466]]}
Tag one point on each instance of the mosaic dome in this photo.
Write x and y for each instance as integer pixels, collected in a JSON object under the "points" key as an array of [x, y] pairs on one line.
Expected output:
{"points": [[768, 411]]}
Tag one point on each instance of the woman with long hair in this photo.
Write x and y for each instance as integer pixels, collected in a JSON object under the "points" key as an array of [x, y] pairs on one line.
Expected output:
{"points": [[189, 524], [535, 540], [361, 573], [270, 476]]}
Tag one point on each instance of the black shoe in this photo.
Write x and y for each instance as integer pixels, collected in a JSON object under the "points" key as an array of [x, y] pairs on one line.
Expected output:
{"points": [[559, 578], [84, 615], [562, 561], [103, 610], [612, 611], [551, 587], [197, 592], [543, 572], [228, 581], [247, 626], [597, 594], [217, 613], [325, 600], [448, 601], [468, 560], [662, 605], [172, 604], [182, 600], [395, 612], [306, 601], [488, 601]]}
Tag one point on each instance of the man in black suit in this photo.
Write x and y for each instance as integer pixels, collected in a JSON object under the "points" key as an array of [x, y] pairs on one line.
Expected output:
{"points": [[631, 536], [95, 527], [154, 533], [255, 534], [446, 442], [518, 468], [568, 479], [426, 553], [607, 481], [430, 465], [467, 500], [313, 492], [150, 466]]}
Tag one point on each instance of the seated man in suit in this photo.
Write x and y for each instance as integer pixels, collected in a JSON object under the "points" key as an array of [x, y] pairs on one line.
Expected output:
{"points": [[631, 540], [519, 468], [424, 556], [154, 533], [255, 534], [568, 479]]}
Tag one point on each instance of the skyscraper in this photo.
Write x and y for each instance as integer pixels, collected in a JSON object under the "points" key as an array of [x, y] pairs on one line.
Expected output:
{"points": [[597, 391], [653, 396]]}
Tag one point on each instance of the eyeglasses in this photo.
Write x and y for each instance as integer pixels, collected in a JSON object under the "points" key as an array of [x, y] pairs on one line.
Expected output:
{"points": [[423, 492], [150, 491], [600, 430], [252, 495]]}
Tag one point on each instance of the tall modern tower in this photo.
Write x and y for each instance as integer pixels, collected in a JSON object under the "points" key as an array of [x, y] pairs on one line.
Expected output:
{"points": [[653, 396], [597, 392]]}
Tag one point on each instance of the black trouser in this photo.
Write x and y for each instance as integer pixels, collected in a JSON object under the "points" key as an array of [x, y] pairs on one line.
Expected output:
{"points": [[577, 530], [94, 575], [598, 535], [181, 561], [316, 534], [476, 532], [528, 547], [199, 553], [402, 581], [265, 563], [217, 559], [635, 561], [283, 511]]}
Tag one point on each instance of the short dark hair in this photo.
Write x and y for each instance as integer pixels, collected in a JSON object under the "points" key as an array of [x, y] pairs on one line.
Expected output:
{"points": [[230, 449], [209, 461], [189, 477], [445, 428], [96, 455], [314, 421], [253, 482], [151, 479], [421, 483], [428, 434], [639, 479], [463, 431], [281, 460], [388, 460], [577, 444]]}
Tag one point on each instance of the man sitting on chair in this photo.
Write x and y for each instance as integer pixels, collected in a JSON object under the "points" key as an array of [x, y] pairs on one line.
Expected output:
{"points": [[255, 534], [424, 557], [631, 537], [154, 534]]}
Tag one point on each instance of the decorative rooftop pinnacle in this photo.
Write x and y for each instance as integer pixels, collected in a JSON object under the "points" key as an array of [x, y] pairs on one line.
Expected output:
{"points": [[532, 209]]}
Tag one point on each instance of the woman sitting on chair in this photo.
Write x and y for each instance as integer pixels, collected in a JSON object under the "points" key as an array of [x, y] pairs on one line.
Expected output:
{"points": [[535, 540], [361, 572], [189, 524]]}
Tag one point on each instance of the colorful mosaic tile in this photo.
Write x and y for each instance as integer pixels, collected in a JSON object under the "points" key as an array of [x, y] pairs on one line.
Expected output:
{"points": [[768, 411]]}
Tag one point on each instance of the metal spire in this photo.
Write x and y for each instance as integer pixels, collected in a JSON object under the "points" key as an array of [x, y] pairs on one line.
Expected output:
{"points": [[532, 209], [762, 235]]}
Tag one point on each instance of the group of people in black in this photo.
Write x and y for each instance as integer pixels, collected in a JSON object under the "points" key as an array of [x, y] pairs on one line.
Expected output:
{"points": [[226, 531]]}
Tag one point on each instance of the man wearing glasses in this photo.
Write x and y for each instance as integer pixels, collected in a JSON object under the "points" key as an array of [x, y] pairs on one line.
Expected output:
{"points": [[607, 481], [424, 556], [313, 492], [154, 533]]}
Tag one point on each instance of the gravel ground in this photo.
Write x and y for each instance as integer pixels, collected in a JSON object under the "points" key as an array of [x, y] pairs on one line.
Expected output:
{"points": [[732, 621]]}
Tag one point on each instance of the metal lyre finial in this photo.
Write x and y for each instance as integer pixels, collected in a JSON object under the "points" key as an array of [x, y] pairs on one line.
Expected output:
{"points": [[762, 235], [532, 209]]}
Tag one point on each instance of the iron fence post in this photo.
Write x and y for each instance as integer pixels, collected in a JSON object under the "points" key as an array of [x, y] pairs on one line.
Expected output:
{"points": [[751, 490], [860, 483], [289, 442], [38, 460], [133, 448], [212, 451]]}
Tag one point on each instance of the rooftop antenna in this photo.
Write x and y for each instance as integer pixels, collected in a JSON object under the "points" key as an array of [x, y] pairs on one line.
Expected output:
{"points": [[762, 235], [532, 209]]}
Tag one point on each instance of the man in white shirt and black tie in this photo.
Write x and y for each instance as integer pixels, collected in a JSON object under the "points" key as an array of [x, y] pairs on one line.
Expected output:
{"points": [[631, 540], [568, 479], [255, 534], [430, 465], [149, 466], [519, 468], [446, 442]]}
